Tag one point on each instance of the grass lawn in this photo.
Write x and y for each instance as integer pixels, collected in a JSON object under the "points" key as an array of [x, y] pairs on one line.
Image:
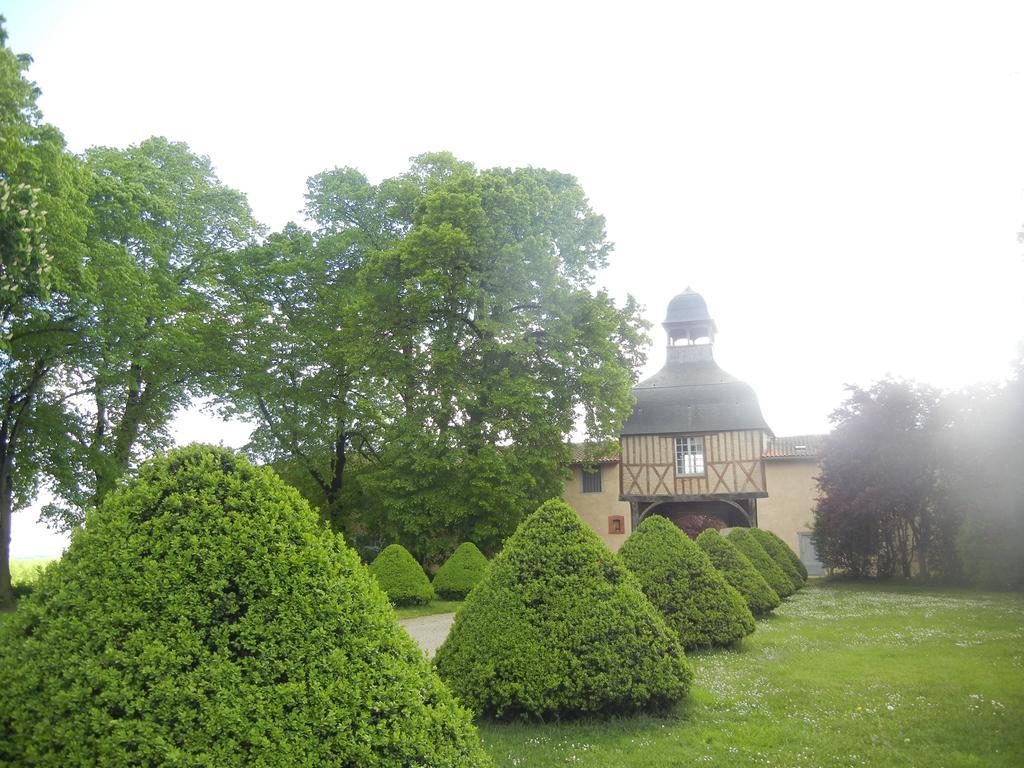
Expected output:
{"points": [[435, 606], [27, 571], [841, 675]]}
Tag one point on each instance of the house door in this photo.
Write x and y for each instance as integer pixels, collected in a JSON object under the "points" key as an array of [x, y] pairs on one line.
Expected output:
{"points": [[809, 556]]}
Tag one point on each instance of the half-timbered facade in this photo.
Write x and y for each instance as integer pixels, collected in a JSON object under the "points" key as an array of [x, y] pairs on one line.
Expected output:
{"points": [[651, 468]]}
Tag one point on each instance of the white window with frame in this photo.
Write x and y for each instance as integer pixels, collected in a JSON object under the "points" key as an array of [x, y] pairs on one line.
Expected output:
{"points": [[689, 456], [591, 480]]}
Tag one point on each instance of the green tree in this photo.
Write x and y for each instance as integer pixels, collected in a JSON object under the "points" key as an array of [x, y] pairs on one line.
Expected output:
{"points": [[419, 359], [294, 370], [880, 508], [496, 343], [162, 223], [299, 369], [43, 277]]}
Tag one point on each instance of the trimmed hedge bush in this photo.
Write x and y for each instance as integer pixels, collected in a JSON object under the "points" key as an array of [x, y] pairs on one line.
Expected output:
{"points": [[766, 566], [203, 616], [739, 572], [460, 572], [558, 627], [401, 577], [792, 556], [779, 552], [682, 582]]}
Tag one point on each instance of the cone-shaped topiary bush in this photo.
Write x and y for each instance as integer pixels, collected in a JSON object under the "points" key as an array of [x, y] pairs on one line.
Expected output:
{"points": [[766, 566], [739, 572], [203, 616], [558, 627], [401, 577], [780, 553], [794, 558], [460, 572], [682, 582]]}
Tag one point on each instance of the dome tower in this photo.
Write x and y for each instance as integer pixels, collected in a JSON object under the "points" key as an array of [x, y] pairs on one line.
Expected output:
{"points": [[687, 320]]}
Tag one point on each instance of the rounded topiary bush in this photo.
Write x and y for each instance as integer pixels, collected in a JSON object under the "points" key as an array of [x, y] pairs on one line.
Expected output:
{"points": [[203, 616], [737, 569], [766, 566], [558, 627], [682, 582], [401, 577], [460, 572], [793, 556], [784, 550], [779, 552]]}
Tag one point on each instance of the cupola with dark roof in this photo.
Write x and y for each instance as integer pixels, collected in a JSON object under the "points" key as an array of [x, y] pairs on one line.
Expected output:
{"points": [[688, 320], [691, 393]]}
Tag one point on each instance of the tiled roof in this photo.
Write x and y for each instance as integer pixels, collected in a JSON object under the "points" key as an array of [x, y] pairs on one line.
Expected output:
{"points": [[578, 452], [795, 447]]}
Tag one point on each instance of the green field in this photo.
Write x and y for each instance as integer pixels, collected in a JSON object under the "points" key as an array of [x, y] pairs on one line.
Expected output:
{"points": [[27, 571], [841, 675]]}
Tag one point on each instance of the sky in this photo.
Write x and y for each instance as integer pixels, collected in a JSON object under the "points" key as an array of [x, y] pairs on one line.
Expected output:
{"points": [[843, 183]]}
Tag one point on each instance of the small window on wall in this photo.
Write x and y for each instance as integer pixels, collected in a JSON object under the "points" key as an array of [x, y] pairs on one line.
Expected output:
{"points": [[592, 480], [616, 524], [689, 455]]}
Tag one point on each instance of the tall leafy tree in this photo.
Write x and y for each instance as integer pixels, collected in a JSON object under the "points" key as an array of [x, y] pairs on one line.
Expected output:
{"points": [[298, 369], [880, 508], [421, 356], [497, 345], [43, 279], [162, 225]]}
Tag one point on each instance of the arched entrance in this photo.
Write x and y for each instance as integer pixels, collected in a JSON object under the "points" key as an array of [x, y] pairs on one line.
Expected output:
{"points": [[687, 514]]}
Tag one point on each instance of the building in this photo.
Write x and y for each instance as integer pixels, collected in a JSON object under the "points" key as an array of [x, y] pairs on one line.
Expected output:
{"points": [[693, 445], [791, 470], [593, 491], [697, 450]]}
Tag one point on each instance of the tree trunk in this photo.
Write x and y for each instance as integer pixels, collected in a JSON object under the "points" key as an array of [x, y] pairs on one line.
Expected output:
{"points": [[922, 563], [334, 510], [124, 435], [922, 536], [906, 555], [10, 429], [6, 510], [98, 435]]}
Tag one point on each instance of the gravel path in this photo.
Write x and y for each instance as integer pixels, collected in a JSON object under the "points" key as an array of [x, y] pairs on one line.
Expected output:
{"points": [[429, 631]]}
